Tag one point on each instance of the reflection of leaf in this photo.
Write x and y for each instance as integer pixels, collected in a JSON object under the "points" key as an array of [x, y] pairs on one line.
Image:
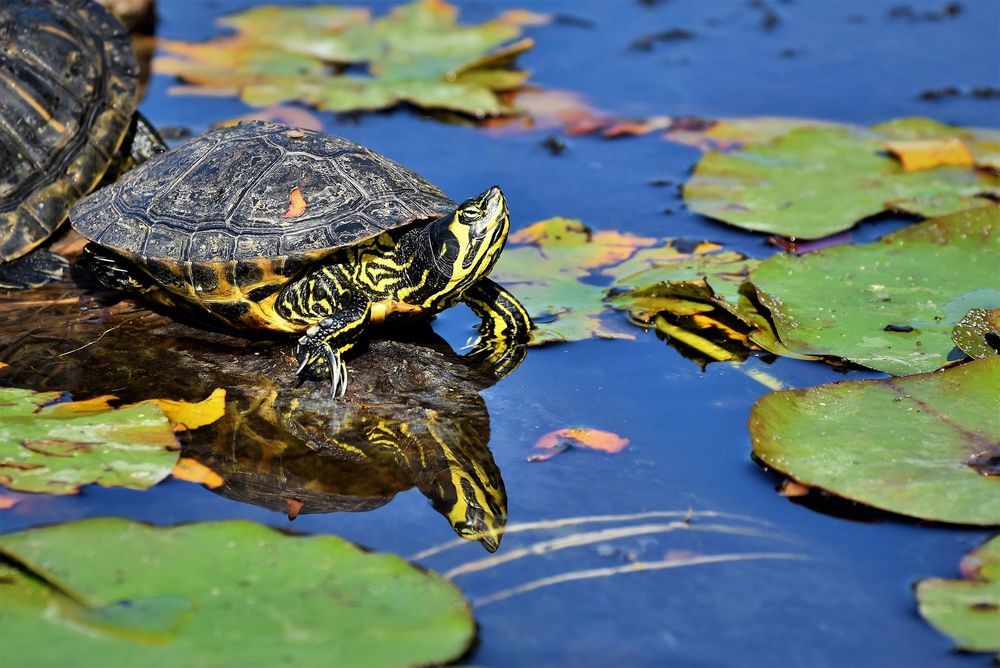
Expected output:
{"points": [[192, 470], [889, 305], [418, 54], [977, 334], [925, 446], [561, 440], [815, 181], [968, 610], [59, 447], [113, 592]]}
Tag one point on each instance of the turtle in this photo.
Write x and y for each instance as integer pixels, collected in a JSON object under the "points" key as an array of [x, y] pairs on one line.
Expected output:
{"points": [[68, 81], [261, 226]]}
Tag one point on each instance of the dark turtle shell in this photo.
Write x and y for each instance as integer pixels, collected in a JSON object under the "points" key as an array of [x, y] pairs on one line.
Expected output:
{"points": [[68, 79], [252, 193]]}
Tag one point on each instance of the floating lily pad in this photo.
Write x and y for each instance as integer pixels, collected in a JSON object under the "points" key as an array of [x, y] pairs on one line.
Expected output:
{"points": [[967, 610], [560, 268], [978, 333], [117, 593], [47, 446], [889, 305], [416, 54], [927, 446], [698, 285], [812, 182]]}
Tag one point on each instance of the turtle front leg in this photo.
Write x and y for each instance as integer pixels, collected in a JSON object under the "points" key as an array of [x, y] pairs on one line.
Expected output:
{"points": [[338, 317], [504, 330]]}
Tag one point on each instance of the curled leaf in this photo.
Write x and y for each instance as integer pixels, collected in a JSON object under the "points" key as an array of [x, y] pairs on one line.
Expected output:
{"points": [[561, 440], [186, 415], [192, 470]]}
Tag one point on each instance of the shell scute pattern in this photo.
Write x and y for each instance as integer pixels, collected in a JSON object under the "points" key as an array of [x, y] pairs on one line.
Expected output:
{"points": [[225, 195], [67, 94]]}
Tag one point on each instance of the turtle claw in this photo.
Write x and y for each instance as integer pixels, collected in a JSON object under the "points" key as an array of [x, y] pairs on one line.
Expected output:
{"points": [[319, 359]]}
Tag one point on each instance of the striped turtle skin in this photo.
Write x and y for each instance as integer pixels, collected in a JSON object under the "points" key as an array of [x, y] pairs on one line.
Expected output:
{"points": [[261, 226]]}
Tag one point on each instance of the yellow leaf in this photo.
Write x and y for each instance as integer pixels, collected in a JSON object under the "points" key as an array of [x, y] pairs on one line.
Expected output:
{"points": [[95, 405], [185, 415], [194, 471], [918, 154]]}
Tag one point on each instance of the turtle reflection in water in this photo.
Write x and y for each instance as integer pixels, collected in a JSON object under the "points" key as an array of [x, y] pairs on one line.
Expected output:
{"points": [[422, 425]]}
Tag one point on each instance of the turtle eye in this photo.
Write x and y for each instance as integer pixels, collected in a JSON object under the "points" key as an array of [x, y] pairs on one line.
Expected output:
{"points": [[470, 215]]}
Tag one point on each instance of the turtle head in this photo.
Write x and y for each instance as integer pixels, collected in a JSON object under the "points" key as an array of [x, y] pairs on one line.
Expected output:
{"points": [[479, 513], [474, 236]]}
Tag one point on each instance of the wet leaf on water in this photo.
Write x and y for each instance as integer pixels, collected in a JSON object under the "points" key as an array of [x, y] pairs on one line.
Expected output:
{"points": [[560, 440], [710, 282], [192, 470], [416, 54], [888, 305], [927, 446], [546, 265], [916, 154], [187, 415], [114, 592], [967, 610], [8, 501], [729, 133], [810, 182], [977, 334], [59, 447]]}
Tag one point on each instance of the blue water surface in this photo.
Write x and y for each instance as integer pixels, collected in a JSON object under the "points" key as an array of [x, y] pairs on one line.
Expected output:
{"points": [[848, 602]]}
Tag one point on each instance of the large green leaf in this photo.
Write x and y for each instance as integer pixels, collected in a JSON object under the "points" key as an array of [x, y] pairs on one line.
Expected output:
{"points": [[811, 182], [416, 54], [889, 305], [116, 593], [968, 610], [47, 446], [927, 446]]}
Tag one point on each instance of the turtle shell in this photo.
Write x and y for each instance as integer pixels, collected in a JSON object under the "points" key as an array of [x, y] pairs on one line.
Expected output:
{"points": [[68, 79], [254, 192]]}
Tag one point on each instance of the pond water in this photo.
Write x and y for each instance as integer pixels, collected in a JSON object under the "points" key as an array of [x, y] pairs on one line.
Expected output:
{"points": [[848, 600]]}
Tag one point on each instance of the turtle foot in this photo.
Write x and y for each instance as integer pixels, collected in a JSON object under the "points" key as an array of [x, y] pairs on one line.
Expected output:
{"points": [[319, 359], [32, 270]]}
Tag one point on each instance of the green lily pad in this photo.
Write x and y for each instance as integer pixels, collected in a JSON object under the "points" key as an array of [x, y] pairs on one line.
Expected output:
{"points": [[416, 54], [889, 305], [978, 333], [560, 270], [927, 446], [812, 182], [47, 446], [698, 284], [118, 593], [967, 610]]}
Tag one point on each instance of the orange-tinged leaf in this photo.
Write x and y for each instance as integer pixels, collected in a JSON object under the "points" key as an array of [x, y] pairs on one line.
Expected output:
{"points": [[192, 470], [524, 17], [625, 128], [3, 365], [791, 488], [185, 415], [8, 501], [561, 440], [296, 203], [918, 154]]}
